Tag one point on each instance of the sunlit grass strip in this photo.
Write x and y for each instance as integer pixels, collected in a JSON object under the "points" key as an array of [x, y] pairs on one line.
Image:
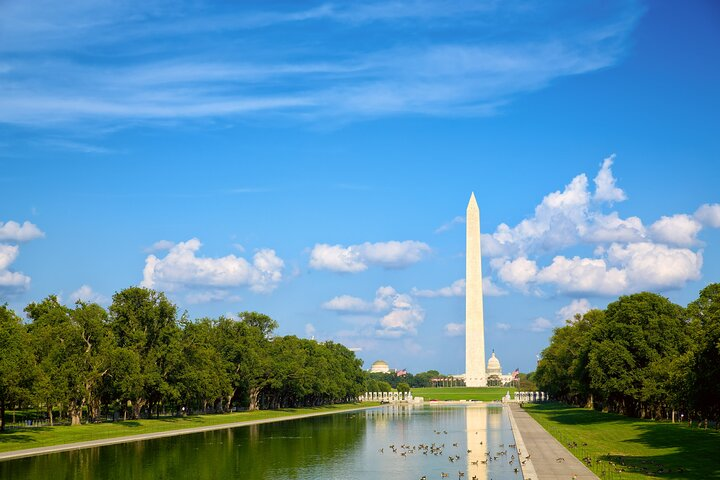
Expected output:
{"points": [[34, 437], [619, 447], [486, 394]]}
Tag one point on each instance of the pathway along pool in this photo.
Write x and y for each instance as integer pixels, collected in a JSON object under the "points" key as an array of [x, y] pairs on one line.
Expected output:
{"points": [[476, 440]]}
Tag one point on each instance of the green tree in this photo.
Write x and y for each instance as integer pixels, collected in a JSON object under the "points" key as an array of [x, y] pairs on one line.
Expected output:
{"points": [[48, 329], [144, 322], [71, 347], [17, 363], [704, 359], [201, 377], [629, 352]]}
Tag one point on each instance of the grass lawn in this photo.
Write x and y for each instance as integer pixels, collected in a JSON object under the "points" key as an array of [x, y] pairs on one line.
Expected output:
{"points": [[32, 437], [486, 394], [640, 448]]}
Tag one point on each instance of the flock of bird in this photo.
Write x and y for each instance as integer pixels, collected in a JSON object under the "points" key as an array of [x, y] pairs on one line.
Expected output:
{"points": [[500, 454]]}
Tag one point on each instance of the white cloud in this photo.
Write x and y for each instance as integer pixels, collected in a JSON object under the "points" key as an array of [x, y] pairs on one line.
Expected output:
{"points": [[401, 321], [518, 272], [181, 269], [402, 314], [655, 266], [627, 256], [678, 229], [86, 294], [454, 329], [709, 215], [567, 218], [441, 75], [583, 275], [11, 282], [541, 324], [447, 226], [490, 289], [457, 289], [160, 246], [8, 254], [626, 269], [309, 330], [357, 258], [578, 306], [605, 189], [14, 232], [336, 258], [611, 228], [347, 303], [503, 326], [207, 296]]}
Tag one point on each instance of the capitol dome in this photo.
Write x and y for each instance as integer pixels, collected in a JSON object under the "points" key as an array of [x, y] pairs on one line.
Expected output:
{"points": [[493, 366], [380, 366]]}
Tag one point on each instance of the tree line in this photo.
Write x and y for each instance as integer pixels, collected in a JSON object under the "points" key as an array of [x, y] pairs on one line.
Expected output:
{"points": [[384, 382], [139, 358], [642, 356]]}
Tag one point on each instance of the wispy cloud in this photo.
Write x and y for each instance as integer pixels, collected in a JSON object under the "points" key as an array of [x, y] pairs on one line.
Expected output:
{"points": [[74, 146], [447, 226], [324, 64]]}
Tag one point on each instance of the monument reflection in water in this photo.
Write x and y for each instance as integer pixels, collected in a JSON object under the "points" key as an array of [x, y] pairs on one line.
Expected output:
{"points": [[353, 445]]}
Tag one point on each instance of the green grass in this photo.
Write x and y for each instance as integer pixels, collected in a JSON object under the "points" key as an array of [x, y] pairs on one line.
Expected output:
{"points": [[640, 448], [32, 437], [485, 394]]}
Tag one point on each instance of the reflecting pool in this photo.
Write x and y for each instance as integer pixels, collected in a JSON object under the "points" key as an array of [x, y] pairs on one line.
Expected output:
{"points": [[394, 442]]}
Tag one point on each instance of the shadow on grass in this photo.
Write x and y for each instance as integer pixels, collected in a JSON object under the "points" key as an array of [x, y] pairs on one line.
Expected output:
{"points": [[569, 415], [22, 436], [695, 456], [694, 452]]}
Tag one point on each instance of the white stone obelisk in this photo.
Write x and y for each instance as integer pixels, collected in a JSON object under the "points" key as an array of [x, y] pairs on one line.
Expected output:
{"points": [[474, 323]]}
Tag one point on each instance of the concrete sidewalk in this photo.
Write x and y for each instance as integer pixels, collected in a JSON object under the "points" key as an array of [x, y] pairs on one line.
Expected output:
{"points": [[550, 459]]}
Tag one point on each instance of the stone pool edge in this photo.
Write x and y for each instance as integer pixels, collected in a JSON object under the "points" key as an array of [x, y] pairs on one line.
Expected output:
{"points": [[528, 470], [66, 447]]}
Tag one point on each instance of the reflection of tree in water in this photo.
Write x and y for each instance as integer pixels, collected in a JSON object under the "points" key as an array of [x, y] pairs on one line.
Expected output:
{"points": [[275, 450]]}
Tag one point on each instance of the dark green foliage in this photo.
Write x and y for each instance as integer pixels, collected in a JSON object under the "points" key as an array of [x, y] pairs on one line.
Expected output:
{"points": [[16, 361], [642, 356], [140, 359]]}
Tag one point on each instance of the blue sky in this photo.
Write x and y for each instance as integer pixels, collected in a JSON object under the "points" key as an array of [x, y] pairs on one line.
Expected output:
{"points": [[313, 161]]}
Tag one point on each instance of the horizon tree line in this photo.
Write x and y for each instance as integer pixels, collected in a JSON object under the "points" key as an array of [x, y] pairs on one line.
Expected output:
{"points": [[642, 356], [140, 358]]}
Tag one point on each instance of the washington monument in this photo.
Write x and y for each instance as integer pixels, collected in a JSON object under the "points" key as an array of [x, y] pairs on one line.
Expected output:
{"points": [[474, 323]]}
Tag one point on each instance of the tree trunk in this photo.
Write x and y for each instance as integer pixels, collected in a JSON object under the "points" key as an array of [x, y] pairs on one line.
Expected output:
{"points": [[137, 406], [93, 410], [2, 415], [74, 411], [50, 414], [228, 403], [254, 393]]}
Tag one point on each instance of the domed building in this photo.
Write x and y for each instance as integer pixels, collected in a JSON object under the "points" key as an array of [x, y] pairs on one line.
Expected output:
{"points": [[495, 377], [380, 366]]}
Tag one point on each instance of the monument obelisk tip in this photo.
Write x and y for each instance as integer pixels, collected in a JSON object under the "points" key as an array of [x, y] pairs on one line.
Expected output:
{"points": [[472, 202]]}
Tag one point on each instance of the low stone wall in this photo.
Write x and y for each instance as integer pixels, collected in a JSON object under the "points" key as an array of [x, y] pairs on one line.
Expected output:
{"points": [[533, 397], [390, 397]]}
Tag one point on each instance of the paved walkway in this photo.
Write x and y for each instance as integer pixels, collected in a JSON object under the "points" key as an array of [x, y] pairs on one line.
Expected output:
{"points": [[30, 452], [544, 451]]}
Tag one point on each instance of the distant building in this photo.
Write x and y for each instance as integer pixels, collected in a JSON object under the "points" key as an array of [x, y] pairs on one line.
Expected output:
{"points": [[380, 366], [495, 377]]}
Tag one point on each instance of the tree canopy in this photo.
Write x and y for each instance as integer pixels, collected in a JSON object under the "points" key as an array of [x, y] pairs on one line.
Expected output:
{"points": [[140, 358], [642, 356]]}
